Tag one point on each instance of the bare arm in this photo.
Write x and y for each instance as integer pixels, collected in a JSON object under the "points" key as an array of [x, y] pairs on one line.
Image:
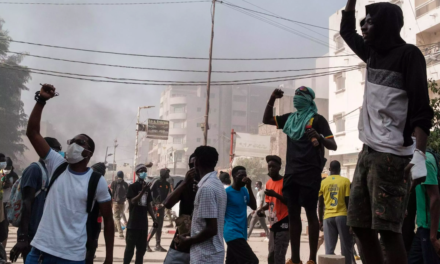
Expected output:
{"points": [[321, 209], [33, 128], [329, 143], [264, 208], [109, 230], [351, 5], [28, 194], [136, 199], [174, 197], [347, 200], [151, 212], [422, 139], [209, 231], [434, 209], [252, 200], [272, 193], [268, 113]]}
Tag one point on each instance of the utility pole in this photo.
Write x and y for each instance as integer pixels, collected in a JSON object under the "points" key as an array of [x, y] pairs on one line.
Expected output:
{"points": [[105, 160], [114, 158], [136, 141], [231, 150], [208, 88]]}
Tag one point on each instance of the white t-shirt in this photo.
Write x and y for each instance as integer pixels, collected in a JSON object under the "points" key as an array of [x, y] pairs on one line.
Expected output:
{"points": [[62, 230]]}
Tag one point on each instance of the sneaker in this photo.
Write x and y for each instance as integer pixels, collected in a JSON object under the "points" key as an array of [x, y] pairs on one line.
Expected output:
{"points": [[121, 236], [357, 258], [291, 262], [266, 240], [149, 249], [159, 249], [310, 262]]}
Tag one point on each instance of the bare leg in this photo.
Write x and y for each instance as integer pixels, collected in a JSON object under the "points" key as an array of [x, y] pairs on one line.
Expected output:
{"points": [[394, 247], [312, 218], [295, 228], [370, 245]]}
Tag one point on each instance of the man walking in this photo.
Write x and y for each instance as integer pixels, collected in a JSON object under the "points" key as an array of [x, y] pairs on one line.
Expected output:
{"points": [[139, 198], [426, 247], [119, 190], [8, 179], [61, 234], [159, 192], [308, 133], [262, 216], [334, 194], [395, 108], [208, 219], [278, 214], [33, 186], [235, 230]]}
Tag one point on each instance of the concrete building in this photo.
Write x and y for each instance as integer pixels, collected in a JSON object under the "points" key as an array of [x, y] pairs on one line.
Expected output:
{"points": [[237, 107], [347, 89]]}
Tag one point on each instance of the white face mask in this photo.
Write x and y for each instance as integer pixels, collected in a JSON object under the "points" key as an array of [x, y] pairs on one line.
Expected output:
{"points": [[74, 153], [2, 165], [6, 172]]}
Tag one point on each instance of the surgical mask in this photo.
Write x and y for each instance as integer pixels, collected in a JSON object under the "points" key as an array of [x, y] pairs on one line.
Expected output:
{"points": [[256, 188], [63, 154], [301, 102], [6, 171], [2, 165], [142, 175], [74, 153]]}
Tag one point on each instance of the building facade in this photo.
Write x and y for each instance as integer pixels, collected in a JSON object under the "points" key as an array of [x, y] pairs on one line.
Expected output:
{"points": [[422, 28]]}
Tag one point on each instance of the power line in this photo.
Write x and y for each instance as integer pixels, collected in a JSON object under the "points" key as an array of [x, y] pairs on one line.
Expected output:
{"points": [[171, 57], [175, 70], [332, 121], [104, 4], [279, 17], [160, 81]]}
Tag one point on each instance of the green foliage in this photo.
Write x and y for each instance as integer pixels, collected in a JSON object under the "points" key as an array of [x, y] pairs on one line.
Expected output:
{"points": [[12, 116]]}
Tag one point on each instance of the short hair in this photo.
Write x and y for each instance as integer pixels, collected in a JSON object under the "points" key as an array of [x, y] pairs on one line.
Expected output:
{"points": [[190, 157], [236, 169], [52, 142], [224, 177], [206, 156], [99, 168], [335, 166], [259, 182], [120, 174], [163, 171], [91, 142], [273, 158]]}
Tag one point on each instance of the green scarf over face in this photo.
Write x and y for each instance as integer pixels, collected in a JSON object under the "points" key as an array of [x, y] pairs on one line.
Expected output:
{"points": [[306, 108]]}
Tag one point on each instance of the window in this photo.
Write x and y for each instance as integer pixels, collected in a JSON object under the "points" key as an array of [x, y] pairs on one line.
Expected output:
{"points": [[178, 95], [178, 139], [339, 42], [340, 82], [339, 122], [198, 140], [199, 109], [179, 124], [239, 113], [239, 98], [178, 156], [179, 108]]}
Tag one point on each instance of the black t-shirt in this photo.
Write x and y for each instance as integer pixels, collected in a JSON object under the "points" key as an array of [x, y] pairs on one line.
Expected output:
{"points": [[160, 191], [305, 162], [186, 207], [138, 218]]}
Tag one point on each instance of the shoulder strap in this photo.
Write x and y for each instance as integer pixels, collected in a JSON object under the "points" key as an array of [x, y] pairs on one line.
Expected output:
{"points": [[57, 174], [93, 185], [43, 177]]}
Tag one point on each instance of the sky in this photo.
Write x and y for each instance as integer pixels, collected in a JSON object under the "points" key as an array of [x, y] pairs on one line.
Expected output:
{"points": [[107, 111]]}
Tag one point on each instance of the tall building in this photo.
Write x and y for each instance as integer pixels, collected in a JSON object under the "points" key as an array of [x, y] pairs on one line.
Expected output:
{"points": [[422, 28], [237, 107]]}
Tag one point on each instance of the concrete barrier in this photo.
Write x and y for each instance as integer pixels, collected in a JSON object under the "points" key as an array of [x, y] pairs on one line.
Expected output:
{"points": [[331, 259]]}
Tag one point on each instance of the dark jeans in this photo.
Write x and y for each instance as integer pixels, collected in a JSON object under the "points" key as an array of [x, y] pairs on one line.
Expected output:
{"points": [[422, 251], [240, 252], [135, 238], [158, 231], [39, 257]]}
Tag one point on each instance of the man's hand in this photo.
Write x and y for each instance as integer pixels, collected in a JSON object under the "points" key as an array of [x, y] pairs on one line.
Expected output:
{"points": [[20, 248], [321, 226], [248, 182], [47, 91], [189, 177], [277, 93], [311, 133], [155, 224], [184, 242], [270, 193], [436, 244], [145, 186]]}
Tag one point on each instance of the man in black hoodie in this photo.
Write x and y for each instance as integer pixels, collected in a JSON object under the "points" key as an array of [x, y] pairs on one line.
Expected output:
{"points": [[395, 108]]}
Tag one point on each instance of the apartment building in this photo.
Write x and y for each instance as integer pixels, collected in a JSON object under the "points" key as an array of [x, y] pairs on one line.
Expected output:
{"points": [[237, 107], [422, 28]]}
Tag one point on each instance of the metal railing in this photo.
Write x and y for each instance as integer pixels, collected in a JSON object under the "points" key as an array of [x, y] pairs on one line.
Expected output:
{"points": [[425, 8]]}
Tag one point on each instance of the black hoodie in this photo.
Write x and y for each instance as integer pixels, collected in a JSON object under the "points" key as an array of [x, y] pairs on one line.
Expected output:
{"points": [[396, 98]]}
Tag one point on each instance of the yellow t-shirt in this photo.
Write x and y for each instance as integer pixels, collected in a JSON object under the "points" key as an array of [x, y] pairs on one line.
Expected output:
{"points": [[335, 188]]}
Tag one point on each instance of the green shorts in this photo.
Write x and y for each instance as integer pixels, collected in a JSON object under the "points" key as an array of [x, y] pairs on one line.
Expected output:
{"points": [[379, 192]]}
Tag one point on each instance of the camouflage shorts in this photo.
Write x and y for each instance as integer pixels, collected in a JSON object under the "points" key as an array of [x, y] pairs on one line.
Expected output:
{"points": [[378, 197]]}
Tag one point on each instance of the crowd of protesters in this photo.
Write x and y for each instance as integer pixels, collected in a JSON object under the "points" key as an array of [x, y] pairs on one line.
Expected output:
{"points": [[59, 204]]}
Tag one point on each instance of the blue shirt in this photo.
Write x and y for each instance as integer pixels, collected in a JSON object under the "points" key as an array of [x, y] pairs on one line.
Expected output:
{"points": [[236, 214], [32, 177]]}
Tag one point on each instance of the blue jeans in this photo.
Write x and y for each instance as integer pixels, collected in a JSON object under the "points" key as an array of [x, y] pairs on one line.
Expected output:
{"points": [[422, 250], [34, 258]]}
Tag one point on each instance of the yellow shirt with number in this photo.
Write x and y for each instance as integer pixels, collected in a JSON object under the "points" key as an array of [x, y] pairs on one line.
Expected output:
{"points": [[334, 189]]}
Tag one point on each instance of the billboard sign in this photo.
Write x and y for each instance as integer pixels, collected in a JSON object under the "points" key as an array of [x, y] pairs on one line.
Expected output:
{"points": [[158, 129], [249, 145]]}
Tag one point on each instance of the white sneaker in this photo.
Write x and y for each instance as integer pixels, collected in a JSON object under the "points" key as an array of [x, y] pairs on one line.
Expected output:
{"points": [[266, 240]]}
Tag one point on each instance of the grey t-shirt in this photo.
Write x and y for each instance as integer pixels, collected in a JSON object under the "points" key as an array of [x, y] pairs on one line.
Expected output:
{"points": [[260, 198]]}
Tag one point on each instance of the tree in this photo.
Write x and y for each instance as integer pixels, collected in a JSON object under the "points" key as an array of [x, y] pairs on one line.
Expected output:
{"points": [[256, 168], [12, 117], [434, 138]]}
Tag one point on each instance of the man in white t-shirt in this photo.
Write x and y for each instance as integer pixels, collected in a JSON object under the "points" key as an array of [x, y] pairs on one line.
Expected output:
{"points": [[61, 236]]}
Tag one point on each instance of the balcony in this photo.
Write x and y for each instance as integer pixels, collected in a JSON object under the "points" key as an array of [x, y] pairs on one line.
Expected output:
{"points": [[176, 116], [179, 165], [423, 7], [177, 131], [177, 100]]}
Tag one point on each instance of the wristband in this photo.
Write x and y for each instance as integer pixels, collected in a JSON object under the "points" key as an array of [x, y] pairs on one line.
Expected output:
{"points": [[39, 99]]}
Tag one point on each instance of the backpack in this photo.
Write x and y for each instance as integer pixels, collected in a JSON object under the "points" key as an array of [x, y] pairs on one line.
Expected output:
{"points": [[92, 226], [14, 208]]}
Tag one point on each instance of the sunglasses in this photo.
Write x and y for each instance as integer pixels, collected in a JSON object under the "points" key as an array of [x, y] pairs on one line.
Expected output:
{"points": [[80, 142], [302, 90]]}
